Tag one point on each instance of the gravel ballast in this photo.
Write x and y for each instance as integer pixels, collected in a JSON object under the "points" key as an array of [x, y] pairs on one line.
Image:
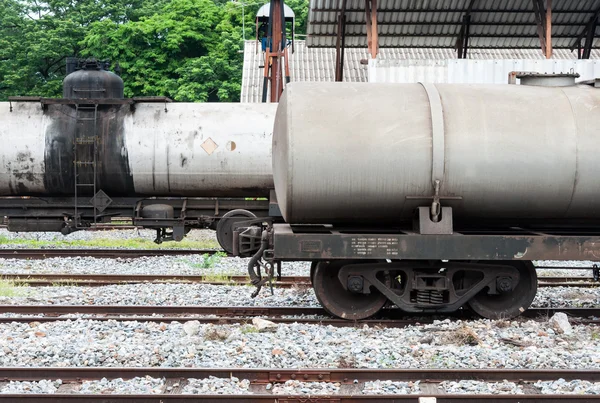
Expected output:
{"points": [[164, 265], [234, 295], [439, 345], [117, 234], [452, 344]]}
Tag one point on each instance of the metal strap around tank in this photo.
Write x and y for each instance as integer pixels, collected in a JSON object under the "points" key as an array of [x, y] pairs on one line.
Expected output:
{"points": [[437, 135]]}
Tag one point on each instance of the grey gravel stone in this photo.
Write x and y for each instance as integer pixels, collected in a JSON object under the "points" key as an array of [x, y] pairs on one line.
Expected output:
{"points": [[145, 385], [478, 387], [219, 386], [561, 386], [174, 265], [391, 388], [293, 387], [215, 295], [161, 294], [191, 327], [560, 323], [93, 343], [43, 386], [554, 297], [263, 325]]}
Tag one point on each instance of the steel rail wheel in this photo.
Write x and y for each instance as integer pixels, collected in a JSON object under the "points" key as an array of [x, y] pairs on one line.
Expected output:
{"points": [[340, 302], [225, 227], [510, 304]]}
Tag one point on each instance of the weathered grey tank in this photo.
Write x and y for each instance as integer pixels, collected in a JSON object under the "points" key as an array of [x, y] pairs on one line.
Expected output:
{"points": [[346, 153], [156, 149]]}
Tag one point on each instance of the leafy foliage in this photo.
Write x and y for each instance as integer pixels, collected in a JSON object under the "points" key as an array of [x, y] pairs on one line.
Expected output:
{"points": [[189, 50]]}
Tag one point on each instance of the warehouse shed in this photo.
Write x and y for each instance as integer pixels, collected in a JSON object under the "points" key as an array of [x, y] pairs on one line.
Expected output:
{"points": [[438, 41]]}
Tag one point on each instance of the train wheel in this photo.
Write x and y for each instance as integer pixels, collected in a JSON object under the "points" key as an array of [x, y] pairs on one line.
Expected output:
{"points": [[509, 304], [340, 302], [225, 227], [313, 267]]}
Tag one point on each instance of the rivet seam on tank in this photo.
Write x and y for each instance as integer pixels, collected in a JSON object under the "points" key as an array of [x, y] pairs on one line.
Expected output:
{"points": [[209, 146]]}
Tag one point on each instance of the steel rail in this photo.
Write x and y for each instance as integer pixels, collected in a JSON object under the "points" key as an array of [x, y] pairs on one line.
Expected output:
{"points": [[269, 375], [31, 253], [260, 377], [241, 315], [270, 398], [41, 280], [26, 253], [103, 227]]}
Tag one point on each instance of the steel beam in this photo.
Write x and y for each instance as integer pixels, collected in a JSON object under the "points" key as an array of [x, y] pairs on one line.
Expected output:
{"points": [[577, 41], [540, 23], [453, 10], [371, 25], [472, 35], [453, 23], [431, 47], [302, 243], [343, 50], [462, 41], [548, 34], [374, 34], [589, 39], [340, 42]]}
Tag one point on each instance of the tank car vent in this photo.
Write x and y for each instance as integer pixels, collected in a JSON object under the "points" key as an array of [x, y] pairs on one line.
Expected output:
{"points": [[543, 79], [91, 80]]}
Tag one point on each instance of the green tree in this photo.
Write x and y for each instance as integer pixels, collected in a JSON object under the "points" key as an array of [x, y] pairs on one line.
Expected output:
{"points": [[182, 52], [189, 50], [36, 37]]}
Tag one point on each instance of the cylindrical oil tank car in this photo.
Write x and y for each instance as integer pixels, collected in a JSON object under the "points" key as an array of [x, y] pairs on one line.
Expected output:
{"points": [[346, 153], [146, 148]]}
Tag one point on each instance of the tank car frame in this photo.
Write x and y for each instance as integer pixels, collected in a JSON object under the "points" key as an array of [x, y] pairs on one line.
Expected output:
{"points": [[420, 268]]}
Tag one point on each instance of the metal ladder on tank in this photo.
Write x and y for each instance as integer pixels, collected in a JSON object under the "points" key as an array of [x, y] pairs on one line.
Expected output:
{"points": [[83, 139]]}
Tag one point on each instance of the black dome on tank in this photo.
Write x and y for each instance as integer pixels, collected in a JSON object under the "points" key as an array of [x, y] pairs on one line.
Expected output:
{"points": [[91, 79]]}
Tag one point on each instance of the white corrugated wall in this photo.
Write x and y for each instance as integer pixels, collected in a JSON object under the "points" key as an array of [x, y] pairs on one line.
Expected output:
{"points": [[473, 71]]}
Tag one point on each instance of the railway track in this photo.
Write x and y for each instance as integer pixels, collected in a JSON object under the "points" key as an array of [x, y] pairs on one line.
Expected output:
{"points": [[36, 280], [27, 253], [33, 253], [242, 314], [102, 227], [351, 383], [90, 280]]}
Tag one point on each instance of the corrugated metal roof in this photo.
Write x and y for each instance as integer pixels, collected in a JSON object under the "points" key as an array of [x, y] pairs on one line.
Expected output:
{"points": [[436, 24], [317, 64], [305, 65]]}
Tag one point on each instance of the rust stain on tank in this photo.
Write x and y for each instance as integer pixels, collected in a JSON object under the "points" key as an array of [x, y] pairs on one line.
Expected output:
{"points": [[23, 156]]}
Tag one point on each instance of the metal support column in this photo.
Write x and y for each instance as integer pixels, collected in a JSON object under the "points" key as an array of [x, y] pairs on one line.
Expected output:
{"points": [[276, 61], [548, 29], [588, 33], [462, 41], [540, 20], [371, 23], [589, 39], [340, 44]]}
